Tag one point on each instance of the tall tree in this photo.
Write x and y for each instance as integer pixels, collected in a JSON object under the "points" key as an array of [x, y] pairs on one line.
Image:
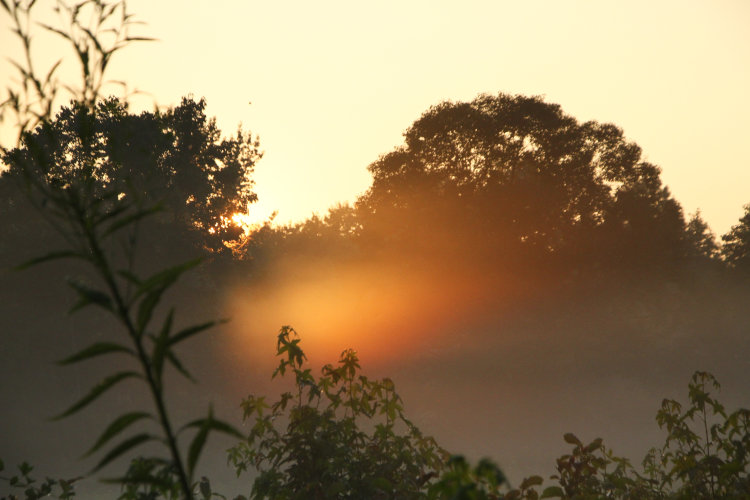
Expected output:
{"points": [[735, 248], [526, 176], [178, 157]]}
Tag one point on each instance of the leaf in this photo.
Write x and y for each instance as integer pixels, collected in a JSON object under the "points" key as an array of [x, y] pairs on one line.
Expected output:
{"points": [[189, 332], [88, 296], [154, 287], [571, 438], [128, 275], [116, 427], [179, 367], [94, 350], [139, 214], [62, 254], [122, 448], [166, 277], [52, 70], [552, 492], [196, 447], [161, 345], [215, 425], [97, 391], [531, 481], [55, 30]]}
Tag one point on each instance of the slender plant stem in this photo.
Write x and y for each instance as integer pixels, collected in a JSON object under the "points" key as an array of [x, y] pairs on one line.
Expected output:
{"points": [[102, 265]]}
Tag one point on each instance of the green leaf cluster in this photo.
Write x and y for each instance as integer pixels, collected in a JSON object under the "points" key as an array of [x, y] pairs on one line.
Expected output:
{"points": [[706, 455], [339, 435]]}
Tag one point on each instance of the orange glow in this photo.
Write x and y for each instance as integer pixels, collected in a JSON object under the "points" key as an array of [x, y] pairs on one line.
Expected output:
{"points": [[384, 311]]}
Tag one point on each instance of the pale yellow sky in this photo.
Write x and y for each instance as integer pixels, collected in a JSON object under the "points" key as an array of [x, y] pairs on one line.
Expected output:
{"points": [[334, 84]]}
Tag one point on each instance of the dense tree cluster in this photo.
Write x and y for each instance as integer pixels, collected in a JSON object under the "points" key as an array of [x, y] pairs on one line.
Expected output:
{"points": [[177, 158], [513, 182]]}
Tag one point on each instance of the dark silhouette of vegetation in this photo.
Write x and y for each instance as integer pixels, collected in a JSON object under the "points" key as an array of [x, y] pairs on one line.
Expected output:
{"points": [[341, 435], [96, 172], [177, 157], [736, 244]]}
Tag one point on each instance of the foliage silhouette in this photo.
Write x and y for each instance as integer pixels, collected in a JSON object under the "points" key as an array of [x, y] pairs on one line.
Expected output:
{"points": [[706, 454], [177, 157], [736, 244], [93, 172], [341, 435], [95, 29], [526, 177]]}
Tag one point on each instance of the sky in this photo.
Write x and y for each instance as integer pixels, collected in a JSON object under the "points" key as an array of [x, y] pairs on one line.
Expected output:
{"points": [[329, 86]]}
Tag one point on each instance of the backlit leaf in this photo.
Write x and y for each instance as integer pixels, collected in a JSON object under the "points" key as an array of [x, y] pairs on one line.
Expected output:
{"points": [[122, 448], [116, 427], [94, 350], [97, 391]]}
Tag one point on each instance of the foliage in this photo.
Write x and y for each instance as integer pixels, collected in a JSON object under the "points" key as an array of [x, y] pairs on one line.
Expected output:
{"points": [[95, 29], [34, 489], [88, 171], [177, 157], [706, 454], [707, 450], [345, 436], [460, 481], [524, 175], [702, 240], [736, 243]]}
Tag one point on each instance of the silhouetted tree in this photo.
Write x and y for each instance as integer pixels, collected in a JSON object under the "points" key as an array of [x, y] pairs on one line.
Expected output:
{"points": [[701, 240], [526, 177], [735, 248], [177, 157]]}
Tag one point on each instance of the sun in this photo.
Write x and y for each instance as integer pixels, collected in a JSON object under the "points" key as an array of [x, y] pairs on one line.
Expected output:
{"points": [[257, 215]]}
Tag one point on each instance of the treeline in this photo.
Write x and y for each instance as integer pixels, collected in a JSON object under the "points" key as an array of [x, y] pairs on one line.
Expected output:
{"points": [[501, 184]]}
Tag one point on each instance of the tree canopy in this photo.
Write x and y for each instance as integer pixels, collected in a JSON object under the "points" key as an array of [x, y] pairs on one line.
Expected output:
{"points": [[736, 243], [178, 157], [525, 176]]}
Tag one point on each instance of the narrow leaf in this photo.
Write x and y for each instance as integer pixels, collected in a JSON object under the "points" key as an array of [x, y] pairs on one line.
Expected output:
{"points": [[166, 277], [140, 214], [147, 306], [189, 332], [122, 448], [216, 425], [161, 345], [55, 30], [97, 391], [196, 447], [132, 278], [94, 350], [179, 367], [62, 254], [226, 428], [116, 427], [88, 296]]}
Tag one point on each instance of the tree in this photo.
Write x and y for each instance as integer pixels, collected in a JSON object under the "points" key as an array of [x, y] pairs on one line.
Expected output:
{"points": [[521, 175], [345, 436], [735, 248], [177, 157]]}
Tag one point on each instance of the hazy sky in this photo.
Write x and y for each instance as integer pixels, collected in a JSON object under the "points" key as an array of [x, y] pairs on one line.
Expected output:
{"points": [[334, 84]]}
